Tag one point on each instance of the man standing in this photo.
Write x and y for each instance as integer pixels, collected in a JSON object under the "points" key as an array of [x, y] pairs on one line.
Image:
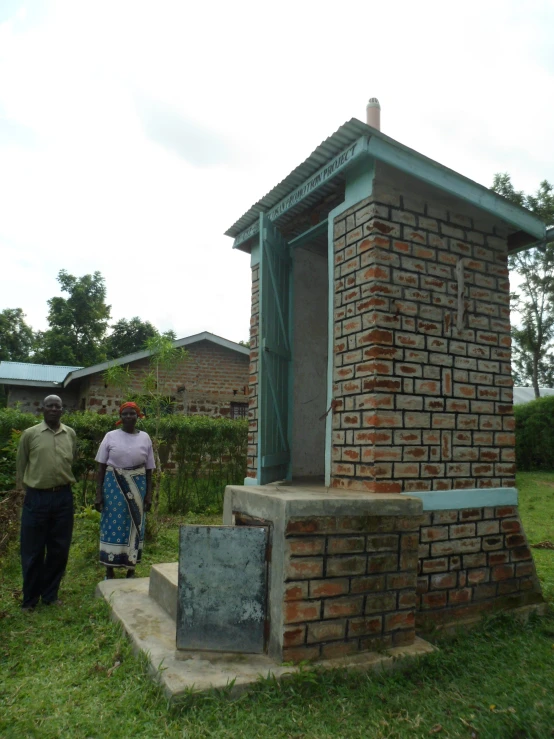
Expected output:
{"points": [[44, 459]]}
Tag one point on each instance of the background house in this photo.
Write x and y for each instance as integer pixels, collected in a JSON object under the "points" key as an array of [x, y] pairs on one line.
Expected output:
{"points": [[212, 380], [26, 385]]}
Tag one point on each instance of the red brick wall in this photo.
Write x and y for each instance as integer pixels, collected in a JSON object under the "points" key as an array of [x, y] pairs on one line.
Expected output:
{"points": [[421, 405], [473, 560], [252, 460], [206, 382], [350, 585]]}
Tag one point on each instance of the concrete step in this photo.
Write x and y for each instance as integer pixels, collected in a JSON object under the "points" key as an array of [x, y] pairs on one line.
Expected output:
{"points": [[163, 587], [180, 672]]}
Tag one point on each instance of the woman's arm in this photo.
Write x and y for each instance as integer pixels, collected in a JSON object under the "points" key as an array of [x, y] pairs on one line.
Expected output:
{"points": [[148, 496], [100, 474]]}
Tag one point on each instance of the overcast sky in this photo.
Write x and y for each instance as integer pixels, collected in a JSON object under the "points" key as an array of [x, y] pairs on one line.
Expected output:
{"points": [[133, 133]]}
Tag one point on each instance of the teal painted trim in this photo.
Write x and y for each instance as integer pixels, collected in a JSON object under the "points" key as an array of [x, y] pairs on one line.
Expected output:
{"points": [[250, 481], [359, 186], [255, 255], [343, 160], [452, 182], [448, 500], [291, 364], [308, 235], [359, 181]]}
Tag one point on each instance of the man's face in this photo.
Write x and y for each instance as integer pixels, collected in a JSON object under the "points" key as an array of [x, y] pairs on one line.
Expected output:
{"points": [[52, 410]]}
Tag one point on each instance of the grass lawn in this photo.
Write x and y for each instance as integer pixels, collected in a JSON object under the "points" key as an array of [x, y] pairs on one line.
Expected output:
{"points": [[58, 673]]}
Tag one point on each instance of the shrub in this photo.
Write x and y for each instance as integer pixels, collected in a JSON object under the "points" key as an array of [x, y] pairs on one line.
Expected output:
{"points": [[535, 434], [199, 455]]}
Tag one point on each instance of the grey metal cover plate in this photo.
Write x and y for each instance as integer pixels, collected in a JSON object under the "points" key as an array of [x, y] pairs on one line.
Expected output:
{"points": [[221, 603]]}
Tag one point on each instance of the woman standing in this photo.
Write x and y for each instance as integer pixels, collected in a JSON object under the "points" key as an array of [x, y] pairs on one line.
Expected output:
{"points": [[124, 491]]}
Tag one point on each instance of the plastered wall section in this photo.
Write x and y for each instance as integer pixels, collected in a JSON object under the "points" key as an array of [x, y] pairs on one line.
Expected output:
{"points": [[310, 347], [421, 401], [29, 399]]}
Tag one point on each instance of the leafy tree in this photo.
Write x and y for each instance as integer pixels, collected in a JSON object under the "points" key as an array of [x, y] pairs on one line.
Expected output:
{"points": [[128, 337], [78, 323], [16, 336], [132, 336], [533, 338]]}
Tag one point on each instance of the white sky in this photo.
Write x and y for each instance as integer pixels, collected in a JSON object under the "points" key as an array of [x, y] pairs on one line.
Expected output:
{"points": [[134, 133]]}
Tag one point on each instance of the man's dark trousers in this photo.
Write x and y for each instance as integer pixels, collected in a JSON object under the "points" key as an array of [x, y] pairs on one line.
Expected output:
{"points": [[46, 529]]}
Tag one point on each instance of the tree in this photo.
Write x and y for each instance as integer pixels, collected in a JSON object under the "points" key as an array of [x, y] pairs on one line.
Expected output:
{"points": [[78, 323], [532, 340], [132, 336], [128, 337], [16, 336]]}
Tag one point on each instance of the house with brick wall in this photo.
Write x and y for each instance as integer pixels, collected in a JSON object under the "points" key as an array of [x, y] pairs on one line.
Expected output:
{"points": [[382, 449], [212, 379]]}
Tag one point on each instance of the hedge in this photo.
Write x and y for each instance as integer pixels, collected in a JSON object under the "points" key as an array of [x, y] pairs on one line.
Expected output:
{"points": [[535, 434], [199, 455]]}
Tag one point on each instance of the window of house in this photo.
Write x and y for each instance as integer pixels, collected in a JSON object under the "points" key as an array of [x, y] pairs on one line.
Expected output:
{"points": [[239, 410]]}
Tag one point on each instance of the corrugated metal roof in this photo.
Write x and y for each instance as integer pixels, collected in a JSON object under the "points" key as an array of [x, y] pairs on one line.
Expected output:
{"points": [[345, 135], [526, 394], [34, 372]]}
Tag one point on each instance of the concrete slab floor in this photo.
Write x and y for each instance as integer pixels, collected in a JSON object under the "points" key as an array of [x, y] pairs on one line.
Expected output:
{"points": [[152, 631]]}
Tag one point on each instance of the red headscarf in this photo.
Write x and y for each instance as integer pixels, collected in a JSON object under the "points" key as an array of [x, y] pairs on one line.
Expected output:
{"points": [[129, 404]]}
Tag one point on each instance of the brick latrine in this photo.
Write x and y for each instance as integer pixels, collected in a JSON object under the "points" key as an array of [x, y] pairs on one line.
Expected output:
{"points": [[206, 382], [420, 404], [423, 396]]}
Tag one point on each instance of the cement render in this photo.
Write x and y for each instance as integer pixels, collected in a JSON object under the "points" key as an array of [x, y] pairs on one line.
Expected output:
{"points": [[267, 501], [164, 582]]}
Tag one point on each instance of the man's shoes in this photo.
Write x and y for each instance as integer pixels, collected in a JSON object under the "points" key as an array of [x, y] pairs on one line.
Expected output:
{"points": [[53, 602], [27, 609]]}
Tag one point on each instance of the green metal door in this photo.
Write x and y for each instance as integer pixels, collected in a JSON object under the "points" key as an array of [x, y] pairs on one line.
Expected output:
{"points": [[275, 355]]}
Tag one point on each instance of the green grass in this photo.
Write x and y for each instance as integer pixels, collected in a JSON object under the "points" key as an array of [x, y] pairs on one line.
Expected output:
{"points": [[57, 676], [536, 508]]}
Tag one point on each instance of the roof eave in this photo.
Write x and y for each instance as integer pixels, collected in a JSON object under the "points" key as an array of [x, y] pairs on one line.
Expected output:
{"points": [[412, 162], [31, 383], [387, 150]]}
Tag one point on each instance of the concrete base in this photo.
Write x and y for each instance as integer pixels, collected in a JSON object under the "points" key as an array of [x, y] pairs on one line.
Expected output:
{"points": [[152, 631], [164, 580]]}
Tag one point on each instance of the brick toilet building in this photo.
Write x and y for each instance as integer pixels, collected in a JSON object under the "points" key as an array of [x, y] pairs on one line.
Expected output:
{"points": [[382, 447]]}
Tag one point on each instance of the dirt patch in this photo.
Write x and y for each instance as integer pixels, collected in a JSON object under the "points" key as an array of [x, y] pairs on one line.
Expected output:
{"points": [[10, 506]]}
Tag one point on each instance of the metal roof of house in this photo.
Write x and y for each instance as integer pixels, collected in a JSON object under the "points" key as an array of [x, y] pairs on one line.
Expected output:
{"points": [[14, 373], [527, 394], [128, 358], [49, 375], [386, 149]]}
